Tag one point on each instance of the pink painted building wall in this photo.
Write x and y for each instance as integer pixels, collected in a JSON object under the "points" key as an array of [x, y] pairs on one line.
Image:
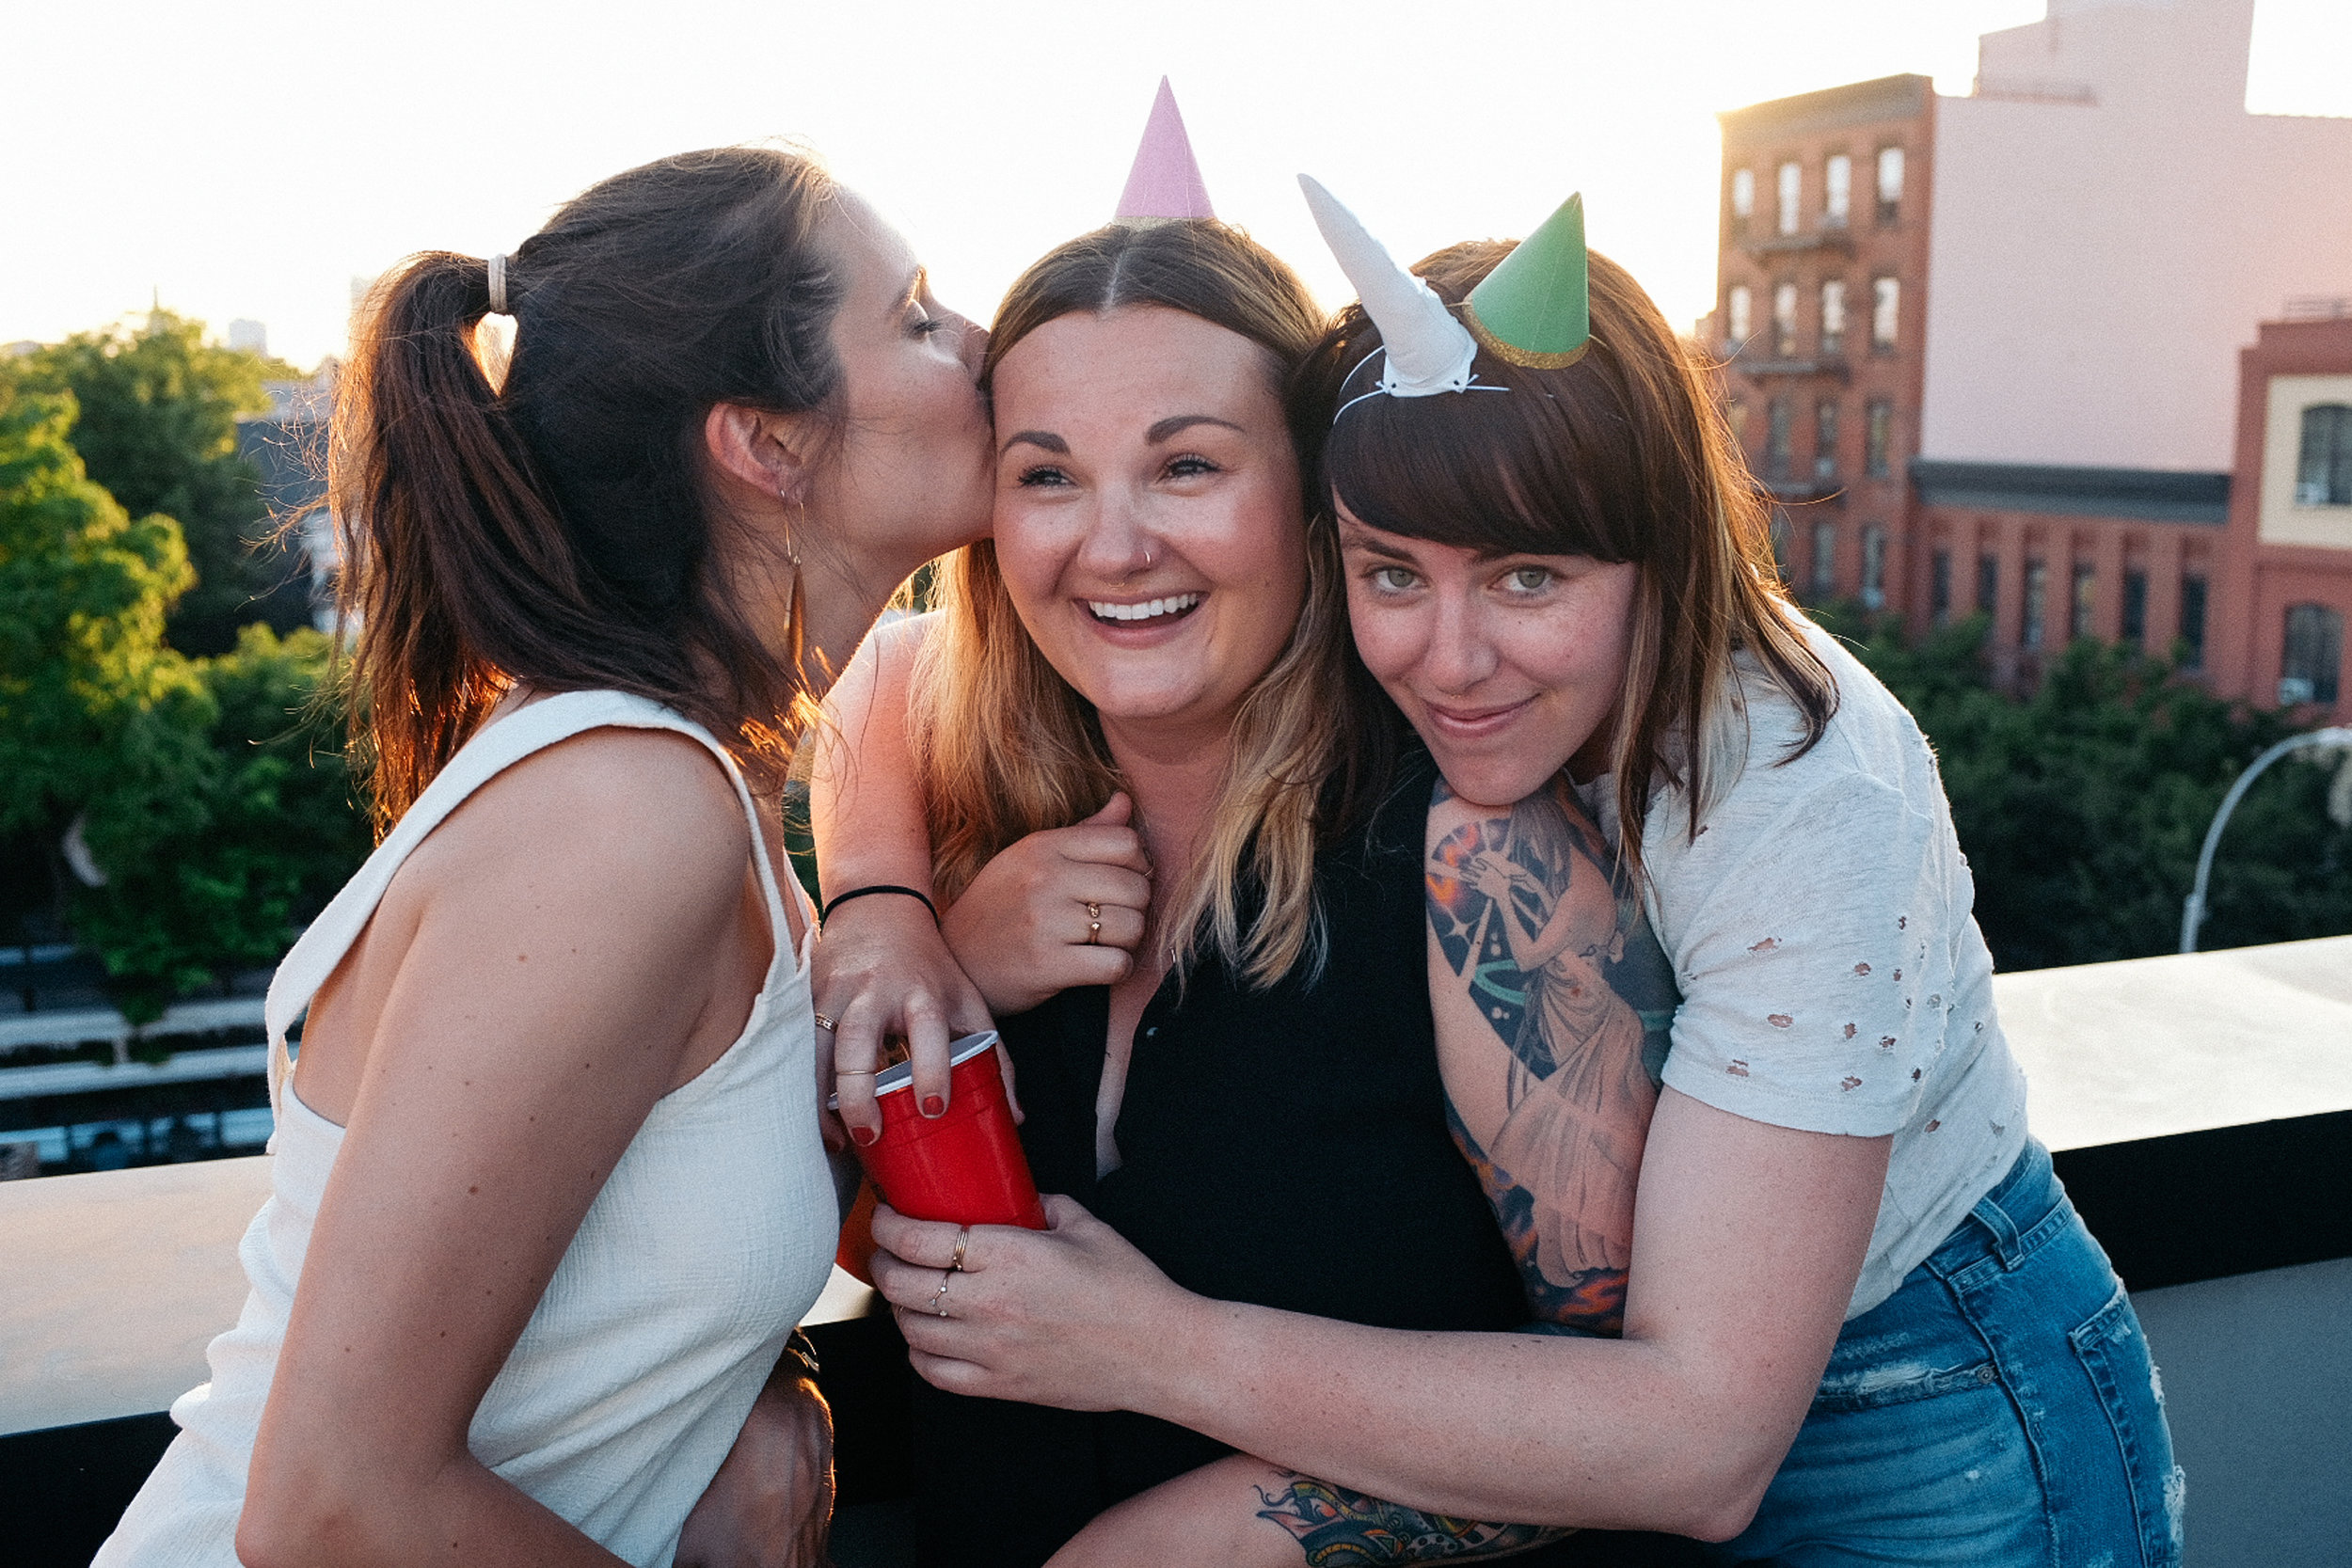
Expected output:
{"points": [[2111, 225]]}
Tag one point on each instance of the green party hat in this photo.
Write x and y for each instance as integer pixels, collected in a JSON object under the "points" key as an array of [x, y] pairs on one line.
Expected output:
{"points": [[1536, 307]]}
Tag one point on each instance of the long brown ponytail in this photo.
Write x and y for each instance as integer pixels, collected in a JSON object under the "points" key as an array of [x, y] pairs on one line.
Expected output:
{"points": [[556, 530]]}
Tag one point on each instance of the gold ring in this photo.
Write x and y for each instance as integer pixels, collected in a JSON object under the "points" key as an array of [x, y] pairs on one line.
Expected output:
{"points": [[823, 1023], [939, 1302], [1094, 924], [854, 1073], [964, 1238]]}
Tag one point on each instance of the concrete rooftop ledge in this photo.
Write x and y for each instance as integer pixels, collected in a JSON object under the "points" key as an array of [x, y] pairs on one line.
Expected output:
{"points": [[116, 1281], [2154, 1048]]}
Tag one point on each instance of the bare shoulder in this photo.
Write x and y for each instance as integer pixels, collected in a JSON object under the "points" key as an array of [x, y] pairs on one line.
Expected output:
{"points": [[628, 810], [877, 685], [886, 660], [902, 637]]}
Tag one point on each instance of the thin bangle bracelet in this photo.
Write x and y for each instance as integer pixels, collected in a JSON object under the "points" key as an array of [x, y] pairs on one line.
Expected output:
{"points": [[839, 899]]}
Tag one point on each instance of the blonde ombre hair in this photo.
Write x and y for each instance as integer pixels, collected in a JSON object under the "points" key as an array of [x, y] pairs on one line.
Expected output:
{"points": [[1005, 747]]}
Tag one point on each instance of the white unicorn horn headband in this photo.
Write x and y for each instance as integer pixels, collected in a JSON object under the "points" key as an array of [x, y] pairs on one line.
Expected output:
{"points": [[1427, 350], [1532, 310]]}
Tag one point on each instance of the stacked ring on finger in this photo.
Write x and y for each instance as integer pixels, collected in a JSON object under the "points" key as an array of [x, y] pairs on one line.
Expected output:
{"points": [[939, 1302], [1094, 921], [823, 1023], [964, 1239]]}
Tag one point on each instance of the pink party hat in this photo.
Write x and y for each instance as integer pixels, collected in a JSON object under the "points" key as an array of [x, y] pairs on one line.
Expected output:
{"points": [[1164, 182]]}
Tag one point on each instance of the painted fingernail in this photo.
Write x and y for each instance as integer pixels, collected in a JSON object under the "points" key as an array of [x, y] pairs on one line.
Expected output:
{"points": [[932, 1104], [864, 1135]]}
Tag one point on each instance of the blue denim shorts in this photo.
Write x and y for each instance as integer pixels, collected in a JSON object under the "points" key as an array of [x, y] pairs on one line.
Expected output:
{"points": [[1998, 1410]]}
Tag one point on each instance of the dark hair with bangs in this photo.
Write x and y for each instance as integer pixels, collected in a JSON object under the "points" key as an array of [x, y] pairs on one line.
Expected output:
{"points": [[556, 530], [1620, 456]]}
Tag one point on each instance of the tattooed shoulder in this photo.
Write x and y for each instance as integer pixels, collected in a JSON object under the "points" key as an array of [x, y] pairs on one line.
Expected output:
{"points": [[1529, 925]]}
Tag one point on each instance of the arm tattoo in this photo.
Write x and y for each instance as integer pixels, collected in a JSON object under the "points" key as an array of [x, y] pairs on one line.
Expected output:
{"points": [[1529, 919], [1340, 1529]]}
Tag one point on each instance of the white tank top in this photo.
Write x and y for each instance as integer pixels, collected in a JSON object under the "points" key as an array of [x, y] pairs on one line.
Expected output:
{"points": [[712, 1236]]}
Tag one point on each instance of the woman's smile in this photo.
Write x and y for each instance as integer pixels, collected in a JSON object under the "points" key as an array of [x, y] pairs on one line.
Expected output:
{"points": [[1164, 611], [1484, 723], [1148, 514]]}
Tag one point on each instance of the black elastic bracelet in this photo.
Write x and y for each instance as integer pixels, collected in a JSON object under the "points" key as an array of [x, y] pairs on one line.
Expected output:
{"points": [[839, 899]]}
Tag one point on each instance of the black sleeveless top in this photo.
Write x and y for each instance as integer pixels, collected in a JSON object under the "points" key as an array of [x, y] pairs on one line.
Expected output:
{"points": [[1286, 1148]]}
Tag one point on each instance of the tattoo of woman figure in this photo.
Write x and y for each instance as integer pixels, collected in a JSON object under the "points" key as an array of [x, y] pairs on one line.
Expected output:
{"points": [[1340, 1529], [1531, 921]]}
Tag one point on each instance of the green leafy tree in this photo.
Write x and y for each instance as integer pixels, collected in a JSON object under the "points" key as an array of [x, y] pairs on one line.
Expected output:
{"points": [[202, 789], [157, 426], [269, 833], [92, 704], [2081, 806]]}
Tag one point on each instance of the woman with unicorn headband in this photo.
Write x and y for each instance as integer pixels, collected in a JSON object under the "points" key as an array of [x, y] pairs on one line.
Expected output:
{"points": [[1134, 758], [1862, 1320]]}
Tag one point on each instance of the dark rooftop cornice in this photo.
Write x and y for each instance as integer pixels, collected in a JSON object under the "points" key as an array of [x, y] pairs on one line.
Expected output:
{"points": [[2152, 495]]}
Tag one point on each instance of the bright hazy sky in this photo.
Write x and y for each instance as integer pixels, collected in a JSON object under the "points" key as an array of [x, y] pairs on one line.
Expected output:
{"points": [[251, 160]]}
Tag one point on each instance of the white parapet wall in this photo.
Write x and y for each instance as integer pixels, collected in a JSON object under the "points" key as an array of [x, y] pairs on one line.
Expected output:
{"points": [[2150, 1048], [112, 1284]]}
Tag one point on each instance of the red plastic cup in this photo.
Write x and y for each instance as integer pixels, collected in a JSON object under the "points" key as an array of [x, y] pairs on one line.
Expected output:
{"points": [[963, 1167]]}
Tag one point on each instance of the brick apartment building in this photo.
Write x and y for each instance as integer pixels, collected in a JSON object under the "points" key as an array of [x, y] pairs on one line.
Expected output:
{"points": [[1983, 349], [2285, 578]]}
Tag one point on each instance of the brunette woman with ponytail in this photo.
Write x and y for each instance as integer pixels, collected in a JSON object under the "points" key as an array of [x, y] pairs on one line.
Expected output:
{"points": [[549, 1190]]}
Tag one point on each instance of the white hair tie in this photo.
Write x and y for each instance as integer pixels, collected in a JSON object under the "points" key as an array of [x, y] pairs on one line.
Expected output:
{"points": [[498, 286]]}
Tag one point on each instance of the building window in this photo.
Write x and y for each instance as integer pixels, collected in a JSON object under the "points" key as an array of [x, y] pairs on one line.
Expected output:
{"points": [[1940, 587], [1834, 316], [1737, 412], [1791, 192], [1825, 439], [2086, 601], [1877, 435], [1886, 296], [1836, 190], [1890, 185], [1824, 558], [1742, 198], [1740, 313], [1777, 420], [2323, 474], [1785, 321], [2314, 648], [1988, 583], [2192, 623], [2037, 604], [1874, 567], [2136, 607]]}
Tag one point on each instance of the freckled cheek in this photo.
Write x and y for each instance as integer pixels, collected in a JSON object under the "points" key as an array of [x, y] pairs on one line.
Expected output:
{"points": [[1383, 640]]}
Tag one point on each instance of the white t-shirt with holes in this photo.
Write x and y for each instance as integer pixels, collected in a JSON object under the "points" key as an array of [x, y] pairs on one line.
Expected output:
{"points": [[1832, 976]]}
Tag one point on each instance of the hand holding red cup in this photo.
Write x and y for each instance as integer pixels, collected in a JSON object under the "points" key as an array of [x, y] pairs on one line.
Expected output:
{"points": [[965, 1165]]}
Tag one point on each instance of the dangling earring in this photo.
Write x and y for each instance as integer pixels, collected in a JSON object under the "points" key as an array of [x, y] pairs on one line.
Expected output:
{"points": [[792, 537]]}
